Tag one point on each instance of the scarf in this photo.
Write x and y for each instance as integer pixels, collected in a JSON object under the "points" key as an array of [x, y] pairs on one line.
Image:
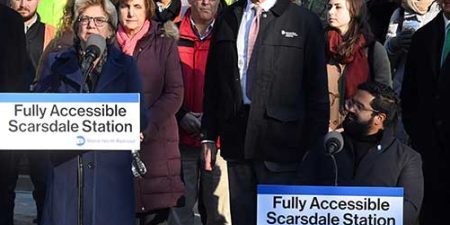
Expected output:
{"points": [[127, 43], [356, 69], [418, 6]]}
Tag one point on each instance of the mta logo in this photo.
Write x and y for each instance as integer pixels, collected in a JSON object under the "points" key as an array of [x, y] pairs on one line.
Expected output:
{"points": [[80, 140]]}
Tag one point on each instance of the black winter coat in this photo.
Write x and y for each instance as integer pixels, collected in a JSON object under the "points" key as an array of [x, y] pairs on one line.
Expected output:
{"points": [[290, 108], [388, 164], [13, 53], [425, 95]]}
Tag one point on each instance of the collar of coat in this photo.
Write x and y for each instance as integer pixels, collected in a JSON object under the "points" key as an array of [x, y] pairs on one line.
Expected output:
{"points": [[278, 9], [67, 65], [387, 139], [156, 29], [187, 28]]}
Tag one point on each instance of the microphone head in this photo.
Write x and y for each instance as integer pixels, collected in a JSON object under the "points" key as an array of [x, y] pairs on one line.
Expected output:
{"points": [[96, 45], [333, 142]]}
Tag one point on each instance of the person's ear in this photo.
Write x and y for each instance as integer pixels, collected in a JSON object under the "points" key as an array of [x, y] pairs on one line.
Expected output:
{"points": [[380, 118]]}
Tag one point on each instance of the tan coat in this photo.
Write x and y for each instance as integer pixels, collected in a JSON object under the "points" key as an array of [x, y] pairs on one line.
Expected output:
{"points": [[379, 71], [334, 78]]}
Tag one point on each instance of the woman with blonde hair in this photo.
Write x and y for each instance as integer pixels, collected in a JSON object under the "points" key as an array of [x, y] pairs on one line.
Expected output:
{"points": [[63, 39], [90, 187]]}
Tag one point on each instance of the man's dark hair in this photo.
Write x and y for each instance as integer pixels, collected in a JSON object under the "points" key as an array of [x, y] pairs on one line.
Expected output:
{"points": [[385, 101]]}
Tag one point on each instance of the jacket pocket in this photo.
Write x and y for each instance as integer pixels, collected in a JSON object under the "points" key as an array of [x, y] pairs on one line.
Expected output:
{"points": [[283, 114], [284, 127]]}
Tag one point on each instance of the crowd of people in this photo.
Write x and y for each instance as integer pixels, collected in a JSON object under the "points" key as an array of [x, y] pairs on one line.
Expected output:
{"points": [[234, 95]]}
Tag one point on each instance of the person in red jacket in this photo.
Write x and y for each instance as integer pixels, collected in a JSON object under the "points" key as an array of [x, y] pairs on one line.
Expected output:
{"points": [[210, 187]]}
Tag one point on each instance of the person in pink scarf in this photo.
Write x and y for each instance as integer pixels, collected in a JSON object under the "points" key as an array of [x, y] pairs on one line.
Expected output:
{"points": [[159, 66]]}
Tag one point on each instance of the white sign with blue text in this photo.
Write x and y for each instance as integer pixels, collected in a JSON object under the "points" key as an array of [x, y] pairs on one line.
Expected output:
{"points": [[69, 121], [329, 205]]}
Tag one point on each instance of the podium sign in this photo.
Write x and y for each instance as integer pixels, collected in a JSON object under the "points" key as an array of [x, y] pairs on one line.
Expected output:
{"points": [[324, 205], [69, 121]]}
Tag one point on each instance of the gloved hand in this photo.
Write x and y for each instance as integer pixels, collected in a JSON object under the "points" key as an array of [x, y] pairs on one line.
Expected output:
{"points": [[191, 124], [402, 41], [137, 166]]}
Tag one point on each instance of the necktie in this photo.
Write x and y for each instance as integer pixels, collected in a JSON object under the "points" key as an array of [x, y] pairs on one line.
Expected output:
{"points": [[252, 35], [446, 48]]}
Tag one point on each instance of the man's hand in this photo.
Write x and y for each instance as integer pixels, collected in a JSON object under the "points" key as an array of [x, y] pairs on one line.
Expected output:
{"points": [[191, 123], [208, 156]]}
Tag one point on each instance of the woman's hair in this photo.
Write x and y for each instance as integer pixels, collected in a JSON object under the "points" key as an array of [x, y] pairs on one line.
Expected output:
{"points": [[68, 17], [81, 5], [358, 25], [150, 7]]}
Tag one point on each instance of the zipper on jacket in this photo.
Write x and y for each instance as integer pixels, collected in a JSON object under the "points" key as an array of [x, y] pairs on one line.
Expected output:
{"points": [[80, 176]]}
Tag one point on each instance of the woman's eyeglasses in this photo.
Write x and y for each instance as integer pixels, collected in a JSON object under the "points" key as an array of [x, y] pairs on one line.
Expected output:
{"points": [[98, 21]]}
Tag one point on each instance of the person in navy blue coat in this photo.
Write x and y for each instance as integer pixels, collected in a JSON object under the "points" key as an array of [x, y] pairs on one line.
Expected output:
{"points": [[108, 193]]}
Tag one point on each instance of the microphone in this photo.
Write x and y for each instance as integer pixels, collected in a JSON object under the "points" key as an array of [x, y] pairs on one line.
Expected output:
{"points": [[333, 142], [96, 45]]}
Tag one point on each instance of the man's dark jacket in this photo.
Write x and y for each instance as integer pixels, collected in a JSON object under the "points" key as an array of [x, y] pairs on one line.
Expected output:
{"points": [[389, 163], [426, 115], [13, 53], [290, 107]]}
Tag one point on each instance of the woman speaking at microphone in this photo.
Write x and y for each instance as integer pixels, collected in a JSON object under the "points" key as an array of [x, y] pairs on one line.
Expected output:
{"points": [[107, 181]]}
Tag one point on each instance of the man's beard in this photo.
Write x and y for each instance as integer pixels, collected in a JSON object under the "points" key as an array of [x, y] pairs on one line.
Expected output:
{"points": [[28, 15], [354, 128]]}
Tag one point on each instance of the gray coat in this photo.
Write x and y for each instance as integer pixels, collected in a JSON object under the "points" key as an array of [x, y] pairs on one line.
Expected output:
{"points": [[380, 65]]}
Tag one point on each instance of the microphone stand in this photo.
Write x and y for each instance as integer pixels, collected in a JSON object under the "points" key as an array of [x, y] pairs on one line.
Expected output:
{"points": [[86, 72], [335, 169], [333, 144]]}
